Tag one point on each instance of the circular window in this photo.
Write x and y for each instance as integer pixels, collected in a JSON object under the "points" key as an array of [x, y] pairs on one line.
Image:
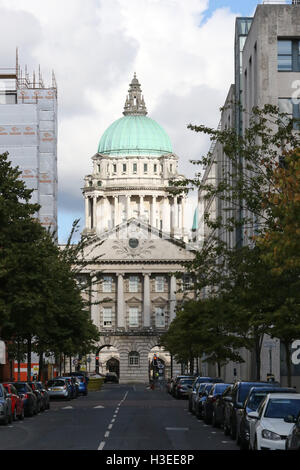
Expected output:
{"points": [[133, 242]]}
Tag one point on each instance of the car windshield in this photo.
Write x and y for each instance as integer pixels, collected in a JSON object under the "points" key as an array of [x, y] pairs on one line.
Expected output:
{"points": [[56, 383], [244, 390], [255, 400], [186, 381], [281, 407]]}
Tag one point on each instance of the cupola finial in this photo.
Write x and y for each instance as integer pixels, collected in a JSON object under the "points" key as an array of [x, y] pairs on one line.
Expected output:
{"points": [[135, 104]]}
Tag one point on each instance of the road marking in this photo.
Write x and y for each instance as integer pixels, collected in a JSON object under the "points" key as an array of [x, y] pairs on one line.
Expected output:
{"points": [[68, 408], [110, 426], [102, 444], [107, 434], [176, 429], [99, 406]]}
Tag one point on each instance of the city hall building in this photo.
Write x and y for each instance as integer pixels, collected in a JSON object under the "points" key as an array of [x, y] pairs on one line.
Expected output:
{"points": [[138, 243]]}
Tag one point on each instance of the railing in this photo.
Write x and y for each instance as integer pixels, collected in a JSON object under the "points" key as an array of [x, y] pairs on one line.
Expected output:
{"points": [[280, 2]]}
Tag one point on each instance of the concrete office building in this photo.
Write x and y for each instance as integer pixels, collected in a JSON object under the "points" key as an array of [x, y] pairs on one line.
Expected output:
{"points": [[267, 71]]}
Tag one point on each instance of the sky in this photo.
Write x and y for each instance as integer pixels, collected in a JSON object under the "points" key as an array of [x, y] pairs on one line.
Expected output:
{"points": [[181, 51]]}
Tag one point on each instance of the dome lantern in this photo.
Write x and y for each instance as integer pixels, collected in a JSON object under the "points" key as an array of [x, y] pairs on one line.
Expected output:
{"points": [[135, 104]]}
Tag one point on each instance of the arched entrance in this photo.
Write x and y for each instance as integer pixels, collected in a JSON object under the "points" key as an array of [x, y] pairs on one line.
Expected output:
{"points": [[113, 365], [107, 359]]}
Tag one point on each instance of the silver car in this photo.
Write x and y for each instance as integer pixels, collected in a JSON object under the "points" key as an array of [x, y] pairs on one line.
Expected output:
{"points": [[58, 388]]}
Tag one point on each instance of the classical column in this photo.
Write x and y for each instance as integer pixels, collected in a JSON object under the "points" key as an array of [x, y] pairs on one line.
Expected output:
{"points": [[116, 207], [179, 215], [94, 211], [94, 298], [182, 214], [87, 221], [175, 213], [120, 302], [172, 297], [141, 212], [147, 305], [128, 207], [153, 212], [166, 215]]}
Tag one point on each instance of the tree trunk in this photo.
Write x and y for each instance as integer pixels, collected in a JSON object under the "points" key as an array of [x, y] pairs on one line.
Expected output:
{"points": [[288, 362], [219, 369], [19, 360], [41, 365], [29, 358]]}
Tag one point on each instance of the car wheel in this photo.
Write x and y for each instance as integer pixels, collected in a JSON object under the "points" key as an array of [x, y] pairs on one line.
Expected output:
{"points": [[232, 431], [21, 416], [213, 419], [226, 430], [238, 438], [255, 444], [14, 416], [48, 405], [243, 444]]}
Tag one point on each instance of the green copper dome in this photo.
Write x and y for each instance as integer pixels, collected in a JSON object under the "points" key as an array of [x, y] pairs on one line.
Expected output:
{"points": [[135, 135]]}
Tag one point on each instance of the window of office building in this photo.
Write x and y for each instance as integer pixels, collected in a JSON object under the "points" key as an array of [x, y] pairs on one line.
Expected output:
{"points": [[155, 168], [145, 167], [133, 283], [291, 107], [115, 168], [160, 317], [107, 316], [133, 358], [159, 284], [124, 167], [135, 168], [133, 316], [288, 55], [107, 284]]}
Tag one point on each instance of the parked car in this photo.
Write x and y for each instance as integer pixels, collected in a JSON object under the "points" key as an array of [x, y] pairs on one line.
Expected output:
{"points": [[293, 439], [80, 374], [46, 398], [30, 400], [5, 406], [202, 398], [208, 405], [193, 391], [234, 403], [111, 377], [198, 397], [176, 380], [253, 400], [83, 382], [74, 389], [182, 387], [271, 422], [39, 396], [59, 388], [219, 406], [17, 404]]}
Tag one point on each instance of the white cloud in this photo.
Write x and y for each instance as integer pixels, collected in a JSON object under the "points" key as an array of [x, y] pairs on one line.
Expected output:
{"points": [[95, 47]]}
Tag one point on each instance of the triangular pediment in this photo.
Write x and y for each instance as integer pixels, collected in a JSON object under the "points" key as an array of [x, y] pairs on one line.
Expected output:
{"points": [[136, 240], [159, 300], [133, 300]]}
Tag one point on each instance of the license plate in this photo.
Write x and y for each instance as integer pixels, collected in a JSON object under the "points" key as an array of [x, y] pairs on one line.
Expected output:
{"points": [[56, 390]]}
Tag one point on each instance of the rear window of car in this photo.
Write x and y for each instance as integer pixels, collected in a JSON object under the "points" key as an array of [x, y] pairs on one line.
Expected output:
{"points": [[220, 388], [21, 387], [186, 381], [56, 383], [244, 390]]}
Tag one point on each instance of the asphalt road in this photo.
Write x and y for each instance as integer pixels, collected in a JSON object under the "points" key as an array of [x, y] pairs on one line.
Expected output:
{"points": [[118, 417]]}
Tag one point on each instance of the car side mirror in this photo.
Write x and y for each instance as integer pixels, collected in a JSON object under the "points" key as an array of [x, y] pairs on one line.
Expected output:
{"points": [[253, 415], [289, 419]]}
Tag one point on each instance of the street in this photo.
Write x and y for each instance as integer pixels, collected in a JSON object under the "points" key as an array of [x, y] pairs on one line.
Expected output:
{"points": [[118, 417]]}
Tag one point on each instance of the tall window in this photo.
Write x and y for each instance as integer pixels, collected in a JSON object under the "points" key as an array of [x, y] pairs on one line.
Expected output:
{"points": [[134, 358], [159, 284], [124, 167], [133, 316], [160, 321], [107, 284], [115, 168], [288, 55], [134, 167], [155, 168], [133, 284], [145, 167], [292, 108], [107, 316]]}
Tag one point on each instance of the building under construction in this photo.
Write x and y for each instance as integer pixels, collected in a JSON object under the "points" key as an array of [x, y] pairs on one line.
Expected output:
{"points": [[28, 132]]}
